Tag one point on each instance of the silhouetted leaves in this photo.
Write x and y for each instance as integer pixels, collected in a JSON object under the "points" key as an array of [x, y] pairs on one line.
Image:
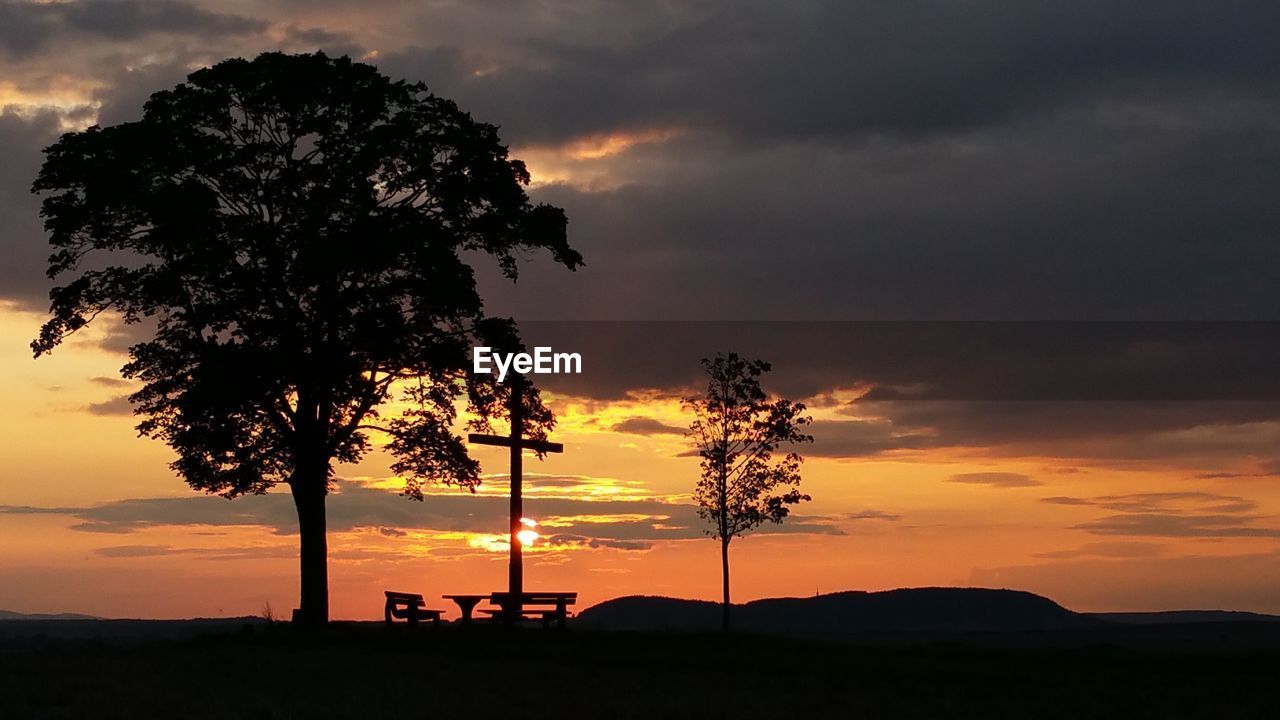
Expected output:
{"points": [[736, 430], [294, 227]]}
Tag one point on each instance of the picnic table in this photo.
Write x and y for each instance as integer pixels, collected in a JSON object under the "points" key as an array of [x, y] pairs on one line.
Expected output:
{"points": [[466, 604], [545, 606]]}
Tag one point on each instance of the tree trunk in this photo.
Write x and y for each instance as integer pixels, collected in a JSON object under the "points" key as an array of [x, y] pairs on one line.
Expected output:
{"points": [[309, 497], [724, 566]]}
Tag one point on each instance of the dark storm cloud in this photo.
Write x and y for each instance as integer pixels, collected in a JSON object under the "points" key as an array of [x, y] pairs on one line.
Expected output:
{"points": [[317, 37], [128, 89], [858, 438], [1121, 391], [954, 160], [848, 69], [22, 138], [27, 28], [959, 160], [21, 235], [1015, 362], [1059, 160], [1079, 217]]}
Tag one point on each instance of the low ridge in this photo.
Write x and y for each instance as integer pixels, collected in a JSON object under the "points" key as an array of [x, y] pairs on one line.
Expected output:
{"points": [[905, 610]]}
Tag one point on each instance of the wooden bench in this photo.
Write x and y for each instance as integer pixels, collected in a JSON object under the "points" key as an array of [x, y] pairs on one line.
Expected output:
{"points": [[546, 606], [410, 607]]}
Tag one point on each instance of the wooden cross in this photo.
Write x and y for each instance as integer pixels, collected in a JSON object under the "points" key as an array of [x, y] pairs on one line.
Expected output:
{"points": [[518, 444]]}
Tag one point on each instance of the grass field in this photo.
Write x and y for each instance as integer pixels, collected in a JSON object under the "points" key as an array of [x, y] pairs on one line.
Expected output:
{"points": [[375, 672]]}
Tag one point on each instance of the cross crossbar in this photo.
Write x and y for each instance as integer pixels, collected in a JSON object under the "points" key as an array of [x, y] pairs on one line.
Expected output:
{"points": [[541, 446]]}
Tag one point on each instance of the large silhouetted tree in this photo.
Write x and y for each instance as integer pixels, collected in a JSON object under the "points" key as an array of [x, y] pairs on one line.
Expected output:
{"points": [[294, 229], [736, 430]]}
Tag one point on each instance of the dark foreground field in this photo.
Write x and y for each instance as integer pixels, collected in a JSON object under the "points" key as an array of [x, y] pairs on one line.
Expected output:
{"points": [[367, 671]]}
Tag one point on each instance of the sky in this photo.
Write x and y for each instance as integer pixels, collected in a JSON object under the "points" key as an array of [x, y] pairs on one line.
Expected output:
{"points": [[1018, 258]]}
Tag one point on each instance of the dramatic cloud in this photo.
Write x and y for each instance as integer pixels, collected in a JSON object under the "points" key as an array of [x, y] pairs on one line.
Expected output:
{"points": [[749, 160], [1205, 394], [1173, 515], [836, 70], [356, 507], [28, 28], [829, 159], [22, 262], [864, 438], [1014, 362]]}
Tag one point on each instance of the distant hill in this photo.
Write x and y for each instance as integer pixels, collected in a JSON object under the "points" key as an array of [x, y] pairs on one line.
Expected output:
{"points": [[42, 630], [926, 610], [10, 615], [1182, 617]]}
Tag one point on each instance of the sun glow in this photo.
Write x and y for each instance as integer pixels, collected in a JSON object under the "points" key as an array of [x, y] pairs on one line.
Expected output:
{"points": [[528, 535], [587, 162], [605, 145]]}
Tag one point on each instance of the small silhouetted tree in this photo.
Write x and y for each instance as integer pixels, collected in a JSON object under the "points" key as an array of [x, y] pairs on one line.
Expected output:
{"points": [[294, 228], [736, 430]]}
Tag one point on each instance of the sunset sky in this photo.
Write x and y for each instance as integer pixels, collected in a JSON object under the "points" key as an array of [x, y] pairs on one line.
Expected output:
{"points": [[791, 180]]}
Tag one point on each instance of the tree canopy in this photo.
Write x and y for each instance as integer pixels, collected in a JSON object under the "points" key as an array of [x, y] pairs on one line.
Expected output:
{"points": [[297, 230], [736, 430]]}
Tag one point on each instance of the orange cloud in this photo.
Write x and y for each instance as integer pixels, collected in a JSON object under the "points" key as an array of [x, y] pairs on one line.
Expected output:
{"points": [[589, 162]]}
